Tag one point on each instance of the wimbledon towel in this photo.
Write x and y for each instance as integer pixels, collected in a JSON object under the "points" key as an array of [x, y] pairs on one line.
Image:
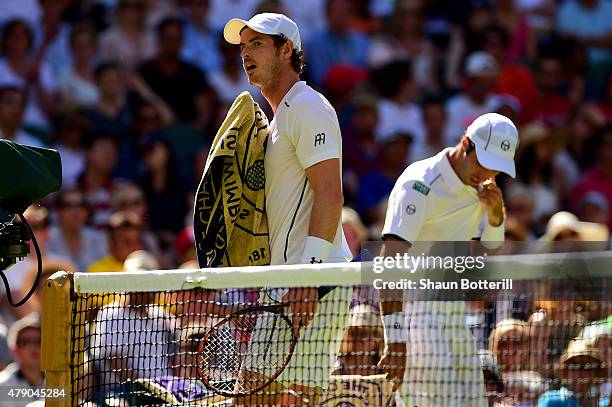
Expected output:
{"points": [[230, 224]]}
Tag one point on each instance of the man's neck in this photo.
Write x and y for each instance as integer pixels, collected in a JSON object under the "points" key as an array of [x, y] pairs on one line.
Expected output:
{"points": [[274, 94], [454, 158]]}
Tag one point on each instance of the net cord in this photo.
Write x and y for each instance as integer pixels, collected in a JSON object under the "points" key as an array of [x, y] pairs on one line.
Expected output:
{"points": [[528, 266]]}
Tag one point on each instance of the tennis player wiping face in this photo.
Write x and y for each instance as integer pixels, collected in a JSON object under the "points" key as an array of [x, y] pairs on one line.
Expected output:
{"points": [[449, 197], [303, 196]]}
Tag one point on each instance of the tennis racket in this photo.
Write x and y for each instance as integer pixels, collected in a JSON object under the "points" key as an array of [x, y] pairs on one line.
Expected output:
{"points": [[235, 359]]}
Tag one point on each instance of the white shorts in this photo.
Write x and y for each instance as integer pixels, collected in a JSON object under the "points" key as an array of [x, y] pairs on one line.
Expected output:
{"points": [[442, 367], [318, 344]]}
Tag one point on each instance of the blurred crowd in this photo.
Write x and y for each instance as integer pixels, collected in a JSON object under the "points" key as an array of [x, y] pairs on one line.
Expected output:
{"points": [[131, 92]]}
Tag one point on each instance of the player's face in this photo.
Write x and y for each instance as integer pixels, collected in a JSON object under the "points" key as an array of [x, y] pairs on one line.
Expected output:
{"points": [[472, 173], [260, 58]]}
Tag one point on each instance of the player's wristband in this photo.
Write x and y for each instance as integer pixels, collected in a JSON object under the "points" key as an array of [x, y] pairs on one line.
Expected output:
{"points": [[316, 250], [394, 327]]}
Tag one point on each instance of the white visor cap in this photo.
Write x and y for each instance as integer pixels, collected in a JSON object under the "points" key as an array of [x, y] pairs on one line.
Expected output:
{"points": [[265, 23], [496, 140]]}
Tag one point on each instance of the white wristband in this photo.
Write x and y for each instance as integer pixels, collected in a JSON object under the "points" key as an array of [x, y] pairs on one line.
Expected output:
{"points": [[394, 326], [316, 250]]}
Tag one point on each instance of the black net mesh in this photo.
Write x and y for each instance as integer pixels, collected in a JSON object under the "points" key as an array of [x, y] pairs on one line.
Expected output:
{"points": [[143, 349]]}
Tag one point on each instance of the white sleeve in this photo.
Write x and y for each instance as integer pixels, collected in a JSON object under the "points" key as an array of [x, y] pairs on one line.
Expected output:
{"points": [[314, 131], [406, 210]]}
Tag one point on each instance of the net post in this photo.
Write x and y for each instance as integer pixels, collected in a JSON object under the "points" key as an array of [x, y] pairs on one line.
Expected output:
{"points": [[56, 332]]}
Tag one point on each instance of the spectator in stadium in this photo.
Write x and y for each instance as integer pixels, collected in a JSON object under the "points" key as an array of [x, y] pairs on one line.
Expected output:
{"points": [[359, 150], [509, 342], [200, 44], [340, 84], [394, 148], [599, 176], [581, 371], [97, 182], [19, 68], [594, 207], [70, 133], [434, 122], [580, 138], [185, 360], [361, 346], [128, 41], [24, 342], [480, 77], [185, 245], [523, 388], [76, 81], [124, 237], [588, 21], [396, 108], [134, 339], [536, 170], [565, 227], [354, 230], [514, 78], [70, 238], [164, 187], [129, 197], [337, 43], [546, 104], [492, 377], [13, 102], [466, 34], [404, 38], [551, 327], [52, 35], [228, 80], [112, 112], [177, 82], [521, 42]]}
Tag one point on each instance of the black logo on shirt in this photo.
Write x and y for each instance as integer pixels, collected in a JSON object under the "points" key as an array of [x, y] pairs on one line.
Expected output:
{"points": [[410, 209], [505, 145], [319, 139], [314, 260]]}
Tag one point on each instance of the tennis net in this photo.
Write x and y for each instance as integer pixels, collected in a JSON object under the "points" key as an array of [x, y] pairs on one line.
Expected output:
{"points": [[214, 336]]}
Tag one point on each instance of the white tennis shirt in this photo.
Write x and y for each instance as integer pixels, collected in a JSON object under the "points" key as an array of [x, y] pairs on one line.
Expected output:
{"points": [[429, 202], [304, 132]]}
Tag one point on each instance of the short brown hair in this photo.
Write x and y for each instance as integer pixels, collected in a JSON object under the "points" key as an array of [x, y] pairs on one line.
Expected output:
{"points": [[297, 57]]}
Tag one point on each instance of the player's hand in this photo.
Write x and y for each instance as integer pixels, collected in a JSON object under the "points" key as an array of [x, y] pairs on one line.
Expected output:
{"points": [[303, 304], [491, 197], [393, 363]]}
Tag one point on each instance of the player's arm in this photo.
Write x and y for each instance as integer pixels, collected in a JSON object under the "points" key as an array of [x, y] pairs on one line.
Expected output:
{"points": [[328, 199], [406, 213]]}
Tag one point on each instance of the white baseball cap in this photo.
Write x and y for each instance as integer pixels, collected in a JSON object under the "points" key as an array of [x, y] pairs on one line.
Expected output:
{"points": [[480, 63], [496, 140], [265, 23]]}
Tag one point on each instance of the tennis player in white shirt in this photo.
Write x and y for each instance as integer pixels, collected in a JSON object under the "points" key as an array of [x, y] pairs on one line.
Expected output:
{"points": [[303, 194], [449, 197]]}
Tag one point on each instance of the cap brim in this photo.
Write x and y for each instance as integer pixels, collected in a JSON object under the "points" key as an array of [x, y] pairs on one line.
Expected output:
{"points": [[232, 29], [494, 162]]}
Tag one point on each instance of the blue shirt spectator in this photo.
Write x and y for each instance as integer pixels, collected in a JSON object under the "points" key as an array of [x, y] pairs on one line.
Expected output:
{"points": [[336, 44], [591, 22], [199, 40]]}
